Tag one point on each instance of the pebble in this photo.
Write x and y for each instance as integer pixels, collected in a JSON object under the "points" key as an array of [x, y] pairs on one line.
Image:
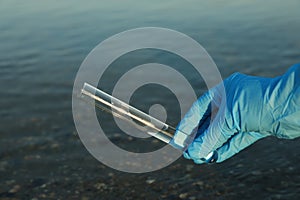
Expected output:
{"points": [[110, 174], [199, 183], [100, 186], [183, 195], [150, 181], [15, 189]]}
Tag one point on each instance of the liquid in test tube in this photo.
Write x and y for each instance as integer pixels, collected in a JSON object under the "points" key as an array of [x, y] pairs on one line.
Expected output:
{"points": [[132, 115]]}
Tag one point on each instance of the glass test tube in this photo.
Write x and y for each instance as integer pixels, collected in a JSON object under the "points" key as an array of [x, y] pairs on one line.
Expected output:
{"points": [[146, 123]]}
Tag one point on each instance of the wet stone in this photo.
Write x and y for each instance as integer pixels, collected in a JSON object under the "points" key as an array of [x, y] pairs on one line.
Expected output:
{"points": [[199, 183], [183, 195], [100, 186], [15, 189], [110, 174], [150, 181]]}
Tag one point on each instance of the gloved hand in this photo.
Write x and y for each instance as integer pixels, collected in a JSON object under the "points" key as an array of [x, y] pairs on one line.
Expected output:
{"points": [[240, 111]]}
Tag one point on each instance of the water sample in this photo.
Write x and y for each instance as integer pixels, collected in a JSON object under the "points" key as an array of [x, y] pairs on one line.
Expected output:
{"points": [[139, 119]]}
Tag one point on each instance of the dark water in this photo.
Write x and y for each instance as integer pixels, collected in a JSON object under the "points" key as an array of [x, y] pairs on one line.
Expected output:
{"points": [[42, 44]]}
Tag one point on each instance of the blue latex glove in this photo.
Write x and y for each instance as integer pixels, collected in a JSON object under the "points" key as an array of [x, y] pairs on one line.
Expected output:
{"points": [[250, 109]]}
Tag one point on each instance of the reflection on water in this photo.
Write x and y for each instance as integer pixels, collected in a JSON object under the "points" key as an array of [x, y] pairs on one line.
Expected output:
{"points": [[42, 44]]}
